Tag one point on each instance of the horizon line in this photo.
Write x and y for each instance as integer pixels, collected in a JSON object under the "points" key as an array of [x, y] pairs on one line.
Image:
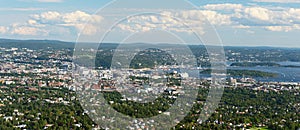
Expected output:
{"points": [[111, 42]]}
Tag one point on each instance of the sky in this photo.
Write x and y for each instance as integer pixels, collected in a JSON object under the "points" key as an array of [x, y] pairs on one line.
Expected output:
{"points": [[237, 23]]}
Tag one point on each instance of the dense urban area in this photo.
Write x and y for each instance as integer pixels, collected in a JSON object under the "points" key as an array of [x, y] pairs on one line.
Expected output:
{"points": [[38, 91]]}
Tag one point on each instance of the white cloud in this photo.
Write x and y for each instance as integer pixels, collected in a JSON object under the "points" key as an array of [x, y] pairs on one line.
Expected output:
{"points": [[278, 1], [81, 21], [258, 13], [25, 30], [3, 29], [294, 14], [216, 18], [54, 23], [73, 17], [34, 23], [149, 22], [283, 28], [226, 6], [47, 17], [227, 14], [242, 26], [86, 29], [79, 17], [279, 28], [175, 21], [245, 17], [271, 19]]}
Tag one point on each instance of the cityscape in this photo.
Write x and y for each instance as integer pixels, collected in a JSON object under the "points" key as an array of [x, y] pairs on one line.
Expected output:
{"points": [[149, 65], [38, 91]]}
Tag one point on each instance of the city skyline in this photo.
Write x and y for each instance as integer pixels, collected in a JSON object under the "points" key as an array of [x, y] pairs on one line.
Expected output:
{"points": [[238, 23]]}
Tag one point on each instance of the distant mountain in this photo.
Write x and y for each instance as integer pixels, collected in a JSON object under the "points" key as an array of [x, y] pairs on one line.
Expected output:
{"points": [[54, 44], [232, 53], [35, 44]]}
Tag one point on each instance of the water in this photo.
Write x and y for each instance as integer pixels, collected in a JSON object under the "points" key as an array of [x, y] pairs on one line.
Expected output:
{"points": [[286, 74], [289, 63]]}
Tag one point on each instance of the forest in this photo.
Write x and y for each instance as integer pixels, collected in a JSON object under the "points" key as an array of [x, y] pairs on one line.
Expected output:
{"points": [[253, 109]]}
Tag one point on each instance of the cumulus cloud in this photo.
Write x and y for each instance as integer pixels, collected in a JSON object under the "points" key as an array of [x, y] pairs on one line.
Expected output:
{"points": [[149, 22], [47, 17], [216, 18], [3, 29], [245, 17], [25, 30], [73, 17], [54, 23], [237, 16], [180, 21], [231, 15], [258, 13], [242, 26], [79, 20], [279, 28], [283, 28], [293, 14], [226, 6]]}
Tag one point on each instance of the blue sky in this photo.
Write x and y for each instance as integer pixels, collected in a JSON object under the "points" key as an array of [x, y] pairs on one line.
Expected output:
{"points": [[238, 23]]}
